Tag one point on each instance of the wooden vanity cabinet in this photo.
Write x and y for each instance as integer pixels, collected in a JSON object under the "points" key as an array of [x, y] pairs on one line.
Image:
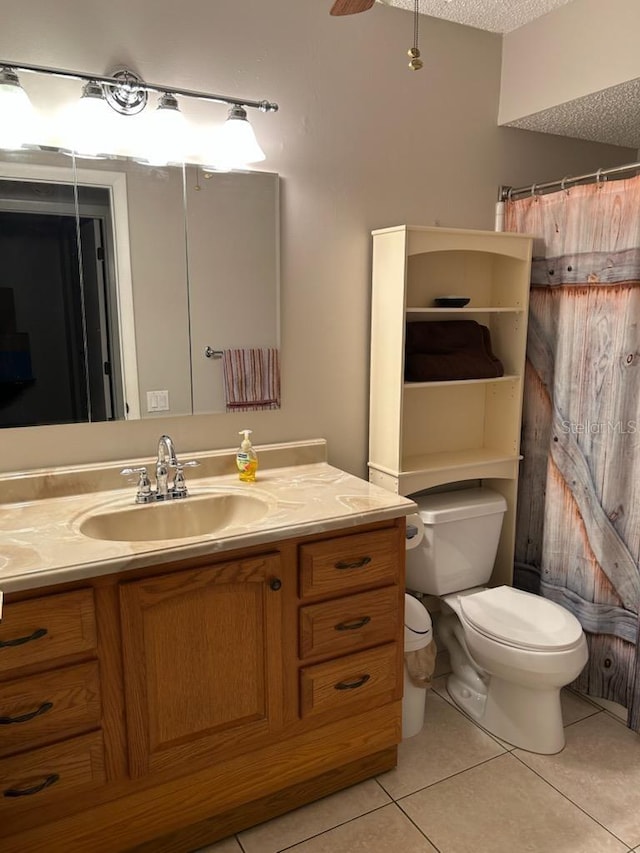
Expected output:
{"points": [[195, 699]]}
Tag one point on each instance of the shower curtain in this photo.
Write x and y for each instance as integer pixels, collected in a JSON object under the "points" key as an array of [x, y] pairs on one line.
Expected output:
{"points": [[578, 528]]}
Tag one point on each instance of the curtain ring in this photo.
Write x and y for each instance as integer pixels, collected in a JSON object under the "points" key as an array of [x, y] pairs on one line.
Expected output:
{"points": [[533, 192], [510, 194], [599, 178], [562, 184]]}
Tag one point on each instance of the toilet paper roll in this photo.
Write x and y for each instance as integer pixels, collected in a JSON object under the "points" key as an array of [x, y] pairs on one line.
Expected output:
{"points": [[415, 531]]}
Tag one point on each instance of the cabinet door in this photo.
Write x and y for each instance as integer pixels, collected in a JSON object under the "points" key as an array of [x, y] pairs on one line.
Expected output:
{"points": [[203, 662]]}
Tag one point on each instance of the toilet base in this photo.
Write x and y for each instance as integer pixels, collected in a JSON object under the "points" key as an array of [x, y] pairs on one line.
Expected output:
{"points": [[470, 700], [526, 718]]}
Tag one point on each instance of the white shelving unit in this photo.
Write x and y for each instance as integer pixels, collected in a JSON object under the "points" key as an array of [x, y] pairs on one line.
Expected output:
{"points": [[428, 434]]}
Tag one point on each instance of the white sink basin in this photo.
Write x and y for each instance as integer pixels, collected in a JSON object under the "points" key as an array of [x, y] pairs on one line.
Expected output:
{"points": [[177, 519]]}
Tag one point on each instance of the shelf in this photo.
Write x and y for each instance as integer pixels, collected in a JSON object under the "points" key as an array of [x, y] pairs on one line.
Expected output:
{"points": [[511, 309], [447, 382], [453, 460], [437, 469]]}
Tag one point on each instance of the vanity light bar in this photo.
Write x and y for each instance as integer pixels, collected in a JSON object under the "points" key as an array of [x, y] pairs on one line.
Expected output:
{"points": [[127, 80]]}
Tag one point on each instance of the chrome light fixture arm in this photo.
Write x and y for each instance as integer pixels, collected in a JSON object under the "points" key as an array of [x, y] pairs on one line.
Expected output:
{"points": [[125, 81]]}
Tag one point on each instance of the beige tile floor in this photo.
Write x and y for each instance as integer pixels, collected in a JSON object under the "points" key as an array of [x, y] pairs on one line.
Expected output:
{"points": [[456, 789]]}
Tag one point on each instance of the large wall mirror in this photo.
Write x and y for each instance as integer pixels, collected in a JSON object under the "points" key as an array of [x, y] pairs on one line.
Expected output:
{"points": [[122, 284]]}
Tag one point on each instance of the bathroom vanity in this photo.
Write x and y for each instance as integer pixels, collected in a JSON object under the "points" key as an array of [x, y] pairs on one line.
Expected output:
{"points": [[160, 694]]}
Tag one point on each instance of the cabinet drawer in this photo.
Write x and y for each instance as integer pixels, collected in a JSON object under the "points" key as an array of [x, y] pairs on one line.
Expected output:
{"points": [[51, 706], [33, 779], [44, 629], [346, 624], [335, 565], [369, 677]]}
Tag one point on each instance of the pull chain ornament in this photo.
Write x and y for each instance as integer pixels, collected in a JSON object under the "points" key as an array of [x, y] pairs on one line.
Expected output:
{"points": [[413, 53]]}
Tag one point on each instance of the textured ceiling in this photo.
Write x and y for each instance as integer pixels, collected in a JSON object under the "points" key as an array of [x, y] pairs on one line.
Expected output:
{"points": [[609, 116], [497, 16]]}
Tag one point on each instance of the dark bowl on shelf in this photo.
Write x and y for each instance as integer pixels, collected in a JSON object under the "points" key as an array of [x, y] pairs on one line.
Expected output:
{"points": [[451, 301]]}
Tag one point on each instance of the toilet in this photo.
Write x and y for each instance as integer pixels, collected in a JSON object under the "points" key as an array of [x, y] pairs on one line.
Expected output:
{"points": [[511, 651]]}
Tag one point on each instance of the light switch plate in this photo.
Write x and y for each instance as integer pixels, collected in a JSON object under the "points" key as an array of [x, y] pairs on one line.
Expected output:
{"points": [[157, 401]]}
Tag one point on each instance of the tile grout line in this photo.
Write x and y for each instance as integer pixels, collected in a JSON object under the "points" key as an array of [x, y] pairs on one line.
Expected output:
{"points": [[444, 778], [579, 807], [322, 832], [409, 818], [594, 701], [594, 713], [342, 823], [420, 830]]}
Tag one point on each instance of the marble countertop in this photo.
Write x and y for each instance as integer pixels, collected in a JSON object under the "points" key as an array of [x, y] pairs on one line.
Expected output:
{"points": [[41, 543]]}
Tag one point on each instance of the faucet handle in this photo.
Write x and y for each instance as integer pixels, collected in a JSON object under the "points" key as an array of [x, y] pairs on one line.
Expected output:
{"points": [[143, 495], [179, 483]]}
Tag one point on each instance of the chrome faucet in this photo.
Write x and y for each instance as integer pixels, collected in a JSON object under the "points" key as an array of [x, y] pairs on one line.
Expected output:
{"points": [[166, 459]]}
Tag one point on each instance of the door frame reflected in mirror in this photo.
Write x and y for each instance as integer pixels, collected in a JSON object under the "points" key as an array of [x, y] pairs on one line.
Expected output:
{"points": [[115, 183]]}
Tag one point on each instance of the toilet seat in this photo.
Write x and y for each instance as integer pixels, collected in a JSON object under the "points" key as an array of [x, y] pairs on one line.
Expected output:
{"points": [[520, 619]]}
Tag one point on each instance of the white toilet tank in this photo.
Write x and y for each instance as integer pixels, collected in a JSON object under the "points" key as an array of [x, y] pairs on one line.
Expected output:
{"points": [[461, 534]]}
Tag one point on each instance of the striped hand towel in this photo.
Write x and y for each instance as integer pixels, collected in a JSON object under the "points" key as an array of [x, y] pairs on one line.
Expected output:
{"points": [[251, 379]]}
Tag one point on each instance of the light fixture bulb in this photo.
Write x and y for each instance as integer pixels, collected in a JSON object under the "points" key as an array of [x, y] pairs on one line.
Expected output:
{"points": [[235, 145], [166, 133], [17, 116], [92, 123]]}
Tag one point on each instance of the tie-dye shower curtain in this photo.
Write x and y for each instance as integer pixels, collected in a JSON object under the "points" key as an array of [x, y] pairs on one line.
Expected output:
{"points": [[578, 529]]}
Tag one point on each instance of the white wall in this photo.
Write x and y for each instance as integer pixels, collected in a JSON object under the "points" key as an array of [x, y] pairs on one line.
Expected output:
{"points": [[580, 48], [361, 142]]}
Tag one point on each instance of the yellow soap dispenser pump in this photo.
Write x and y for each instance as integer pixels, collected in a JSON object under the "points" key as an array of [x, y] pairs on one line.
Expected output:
{"points": [[247, 459]]}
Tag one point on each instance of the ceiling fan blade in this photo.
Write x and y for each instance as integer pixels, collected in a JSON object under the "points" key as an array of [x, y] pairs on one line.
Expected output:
{"points": [[350, 7]]}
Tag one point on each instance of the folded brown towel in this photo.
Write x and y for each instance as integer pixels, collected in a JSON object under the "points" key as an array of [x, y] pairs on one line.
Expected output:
{"points": [[449, 349]]}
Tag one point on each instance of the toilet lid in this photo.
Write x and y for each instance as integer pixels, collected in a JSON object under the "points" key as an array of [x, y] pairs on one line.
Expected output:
{"points": [[521, 619]]}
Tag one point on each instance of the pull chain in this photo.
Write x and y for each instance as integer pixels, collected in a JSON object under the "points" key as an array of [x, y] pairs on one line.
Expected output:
{"points": [[414, 52]]}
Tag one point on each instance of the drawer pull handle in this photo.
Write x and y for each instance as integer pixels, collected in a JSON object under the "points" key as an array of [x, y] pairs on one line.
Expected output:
{"points": [[26, 792], [358, 564], [20, 641], [352, 685], [353, 626], [24, 718]]}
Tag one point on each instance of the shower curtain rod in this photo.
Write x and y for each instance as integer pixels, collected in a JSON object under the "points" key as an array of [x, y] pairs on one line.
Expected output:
{"points": [[508, 193]]}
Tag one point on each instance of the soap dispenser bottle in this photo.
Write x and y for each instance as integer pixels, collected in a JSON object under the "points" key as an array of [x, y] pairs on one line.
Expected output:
{"points": [[247, 459]]}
